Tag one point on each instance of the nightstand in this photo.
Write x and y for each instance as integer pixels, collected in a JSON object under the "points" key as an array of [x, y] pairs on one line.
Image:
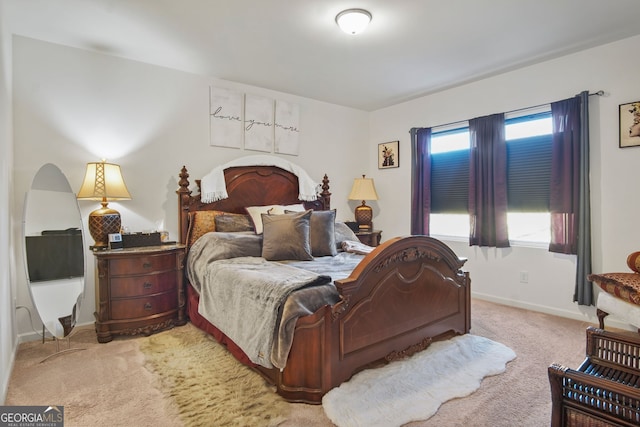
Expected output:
{"points": [[139, 290], [371, 238]]}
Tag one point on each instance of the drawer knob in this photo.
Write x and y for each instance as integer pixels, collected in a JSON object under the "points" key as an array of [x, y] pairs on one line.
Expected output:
{"points": [[147, 285], [146, 265], [147, 306]]}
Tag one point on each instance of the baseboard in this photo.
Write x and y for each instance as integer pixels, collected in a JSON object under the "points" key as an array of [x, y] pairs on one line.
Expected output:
{"points": [[35, 336], [588, 315]]}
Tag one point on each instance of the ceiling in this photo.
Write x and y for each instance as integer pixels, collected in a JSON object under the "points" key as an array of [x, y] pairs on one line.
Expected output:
{"points": [[411, 48]]}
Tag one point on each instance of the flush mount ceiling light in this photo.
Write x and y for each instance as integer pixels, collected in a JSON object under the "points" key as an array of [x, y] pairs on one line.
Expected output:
{"points": [[353, 21]]}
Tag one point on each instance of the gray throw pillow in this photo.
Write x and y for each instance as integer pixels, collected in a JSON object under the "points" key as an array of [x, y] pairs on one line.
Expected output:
{"points": [[322, 233], [344, 233], [286, 237], [229, 223]]}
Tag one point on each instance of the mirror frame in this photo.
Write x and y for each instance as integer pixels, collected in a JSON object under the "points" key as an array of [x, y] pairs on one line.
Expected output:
{"points": [[53, 246]]}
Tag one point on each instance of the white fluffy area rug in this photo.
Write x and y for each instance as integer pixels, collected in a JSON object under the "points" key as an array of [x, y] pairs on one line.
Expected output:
{"points": [[413, 389]]}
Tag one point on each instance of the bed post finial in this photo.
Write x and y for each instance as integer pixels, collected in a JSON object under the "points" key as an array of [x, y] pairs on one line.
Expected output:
{"points": [[184, 180], [184, 194], [325, 195]]}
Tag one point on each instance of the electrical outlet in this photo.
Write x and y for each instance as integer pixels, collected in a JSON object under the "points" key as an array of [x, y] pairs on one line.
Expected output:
{"points": [[524, 277]]}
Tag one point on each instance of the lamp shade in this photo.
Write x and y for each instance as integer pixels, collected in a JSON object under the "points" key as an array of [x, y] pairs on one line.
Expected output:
{"points": [[363, 189], [103, 181], [353, 21]]}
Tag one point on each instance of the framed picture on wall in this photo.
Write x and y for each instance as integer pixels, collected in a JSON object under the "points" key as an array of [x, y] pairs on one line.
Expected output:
{"points": [[388, 155], [629, 124]]}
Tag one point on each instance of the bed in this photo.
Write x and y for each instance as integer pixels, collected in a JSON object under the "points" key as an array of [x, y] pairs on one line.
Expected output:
{"points": [[400, 297]]}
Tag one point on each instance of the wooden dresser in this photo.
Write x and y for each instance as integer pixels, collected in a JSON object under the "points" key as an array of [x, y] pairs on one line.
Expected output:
{"points": [[139, 290]]}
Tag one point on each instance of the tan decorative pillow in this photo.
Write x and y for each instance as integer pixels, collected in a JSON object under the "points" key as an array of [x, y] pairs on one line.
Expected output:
{"points": [[200, 223], [286, 237], [625, 286]]}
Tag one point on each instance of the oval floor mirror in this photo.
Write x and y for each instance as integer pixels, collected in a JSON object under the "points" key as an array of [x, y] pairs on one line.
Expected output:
{"points": [[54, 253]]}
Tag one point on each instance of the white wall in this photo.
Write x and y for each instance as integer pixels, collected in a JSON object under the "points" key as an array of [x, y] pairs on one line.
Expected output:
{"points": [[614, 171], [8, 340], [73, 106]]}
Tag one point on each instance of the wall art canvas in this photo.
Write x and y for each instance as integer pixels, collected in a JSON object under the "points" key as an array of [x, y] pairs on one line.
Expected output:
{"points": [[629, 124], [258, 123], [388, 155], [287, 128], [225, 118]]}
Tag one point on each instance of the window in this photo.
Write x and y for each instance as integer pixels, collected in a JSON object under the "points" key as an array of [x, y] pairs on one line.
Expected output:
{"points": [[528, 139], [450, 171]]}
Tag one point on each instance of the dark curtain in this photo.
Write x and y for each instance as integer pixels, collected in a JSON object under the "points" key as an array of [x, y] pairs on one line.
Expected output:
{"points": [[569, 201], [488, 182], [420, 180], [565, 176]]}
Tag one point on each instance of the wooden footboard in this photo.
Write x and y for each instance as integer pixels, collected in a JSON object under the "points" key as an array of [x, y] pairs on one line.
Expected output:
{"points": [[406, 293]]}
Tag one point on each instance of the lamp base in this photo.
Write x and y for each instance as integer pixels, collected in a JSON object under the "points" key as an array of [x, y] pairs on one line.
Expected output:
{"points": [[102, 222], [364, 216]]}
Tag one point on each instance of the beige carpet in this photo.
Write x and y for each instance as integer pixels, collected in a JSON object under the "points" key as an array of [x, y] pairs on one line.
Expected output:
{"points": [[103, 385], [109, 385]]}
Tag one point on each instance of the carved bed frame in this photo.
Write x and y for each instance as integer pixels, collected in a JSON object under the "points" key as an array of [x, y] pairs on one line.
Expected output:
{"points": [[405, 294]]}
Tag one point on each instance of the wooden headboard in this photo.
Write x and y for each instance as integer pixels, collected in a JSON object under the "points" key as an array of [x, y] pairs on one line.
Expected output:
{"points": [[247, 186]]}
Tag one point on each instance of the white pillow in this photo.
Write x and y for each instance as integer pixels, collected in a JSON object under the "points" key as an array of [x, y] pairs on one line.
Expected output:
{"points": [[296, 208], [255, 212]]}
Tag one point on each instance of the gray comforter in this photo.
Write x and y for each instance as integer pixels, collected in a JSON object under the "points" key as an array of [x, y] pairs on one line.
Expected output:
{"points": [[256, 302]]}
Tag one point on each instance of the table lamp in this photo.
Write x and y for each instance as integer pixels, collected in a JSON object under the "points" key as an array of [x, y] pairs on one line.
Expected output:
{"points": [[363, 189], [103, 181]]}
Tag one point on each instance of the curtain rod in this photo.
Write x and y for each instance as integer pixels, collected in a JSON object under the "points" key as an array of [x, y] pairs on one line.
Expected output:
{"points": [[462, 122]]}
